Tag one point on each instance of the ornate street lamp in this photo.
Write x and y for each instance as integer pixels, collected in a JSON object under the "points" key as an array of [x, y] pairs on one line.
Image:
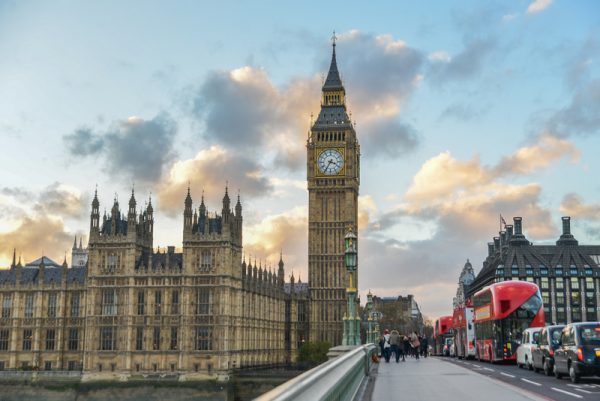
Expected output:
{"points": [[351, 319], [369, 308]]}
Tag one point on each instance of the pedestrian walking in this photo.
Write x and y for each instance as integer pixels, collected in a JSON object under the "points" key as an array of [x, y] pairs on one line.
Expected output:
{"points": [[395, 344], [406, 346], [386, 345], [414, 342]]}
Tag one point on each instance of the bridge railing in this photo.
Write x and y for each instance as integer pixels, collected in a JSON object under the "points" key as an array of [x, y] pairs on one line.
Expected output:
{"points": [[335, 380]]}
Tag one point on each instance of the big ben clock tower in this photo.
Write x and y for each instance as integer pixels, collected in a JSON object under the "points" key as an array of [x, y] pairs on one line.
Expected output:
{"points": [[333, 172]]}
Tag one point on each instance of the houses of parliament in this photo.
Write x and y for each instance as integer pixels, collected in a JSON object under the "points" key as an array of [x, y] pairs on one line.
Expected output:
{"points": [[122, 309]]}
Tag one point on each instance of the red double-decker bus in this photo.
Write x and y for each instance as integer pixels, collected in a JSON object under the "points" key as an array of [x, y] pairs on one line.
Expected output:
{"points": [[502, 312], [464, 331], [442, 335]]}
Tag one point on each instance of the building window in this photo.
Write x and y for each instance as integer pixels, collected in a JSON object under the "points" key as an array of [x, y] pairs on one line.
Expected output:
{"points": [[4, 339], [139, 338], [157, 302], [576, 314], [113, 367], [154, 367], [172, 367], [71, 366], [50, 339], [112, 263], [574, 283], [573, 271], [546, 297], [108, 338], [576, 298], [156, 339], [99, 367], [75, 304], [6, 305], [48, 365], [175, 302], [514, 271], [27, 335], [203, 338], [561, 316], [560, 284], [1, 366], [52, 304], [543, 270], [560, 298], [109, 302], [500, 271], [73, 344], [544, 283], [29, 305], [137, 367], [173, 338], [141, 303], [206, 263], [558, 271], [203, 301]]}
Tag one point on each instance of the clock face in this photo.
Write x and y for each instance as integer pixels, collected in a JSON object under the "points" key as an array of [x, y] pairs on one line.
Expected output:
{"points": [[330, 162]]}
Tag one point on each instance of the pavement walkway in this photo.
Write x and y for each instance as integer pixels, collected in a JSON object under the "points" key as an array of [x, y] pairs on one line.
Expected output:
{"points": [[431, 379]]}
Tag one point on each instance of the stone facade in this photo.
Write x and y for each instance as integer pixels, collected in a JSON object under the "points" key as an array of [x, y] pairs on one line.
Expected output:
{"points": [[129, 311], [400, 313], [333, 171], [567, 273]]}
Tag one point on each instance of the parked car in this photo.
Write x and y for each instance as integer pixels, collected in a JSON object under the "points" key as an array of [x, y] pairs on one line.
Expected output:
{"points": [[448, 349], [529, 341], [579, 351], [542, 357]]}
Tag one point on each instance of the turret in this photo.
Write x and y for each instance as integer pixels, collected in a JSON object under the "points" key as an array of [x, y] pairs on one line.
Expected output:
{"points": [[226, 206], [95, 216], [187, 212], [131, 215], [150, 212], [280, 271], [238, 208], [14, 260]]}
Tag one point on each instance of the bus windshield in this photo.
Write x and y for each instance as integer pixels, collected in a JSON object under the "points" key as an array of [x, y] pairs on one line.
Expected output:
{"points": [[519, 320]]}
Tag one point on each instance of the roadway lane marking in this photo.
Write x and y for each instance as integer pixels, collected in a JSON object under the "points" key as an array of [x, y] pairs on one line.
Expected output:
{"points": [[490, 370], [477, 366], [583, 391], [506, 374], [567, 392], [529, 381]]}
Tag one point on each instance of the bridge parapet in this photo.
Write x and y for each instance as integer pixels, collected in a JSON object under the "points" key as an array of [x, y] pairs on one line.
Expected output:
{"points": [[338, 379]]}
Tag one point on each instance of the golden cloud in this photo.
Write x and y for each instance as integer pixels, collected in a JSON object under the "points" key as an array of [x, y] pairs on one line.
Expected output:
{"points": [[209, 172], [286, 232], [34, 237]]}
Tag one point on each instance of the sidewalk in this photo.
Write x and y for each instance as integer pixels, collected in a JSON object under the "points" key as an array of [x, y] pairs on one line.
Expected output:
{"points": [[433, 379]]}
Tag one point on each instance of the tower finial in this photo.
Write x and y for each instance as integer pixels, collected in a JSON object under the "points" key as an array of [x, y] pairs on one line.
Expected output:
{"points": [[333, 39]]}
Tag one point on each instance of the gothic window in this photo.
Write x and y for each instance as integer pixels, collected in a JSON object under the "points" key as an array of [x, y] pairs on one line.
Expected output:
{"points": [[560, 298], [4, 339], [157, 302], [175, 302], [560, 284], [174, 333], [203, 301], [50, 339], [139, 338], [206, 261], [141, 303], [108, 338], [156, 339], [6, 305], [52, 304], [29, 305], [27, 336], [203, 338], [112, 263], [544, 283], [109, 302], [75, 304], [574, 283], [73, 342]]}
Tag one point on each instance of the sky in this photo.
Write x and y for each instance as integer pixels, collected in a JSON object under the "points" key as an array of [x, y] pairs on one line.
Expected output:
{"points": [[464, 110]]}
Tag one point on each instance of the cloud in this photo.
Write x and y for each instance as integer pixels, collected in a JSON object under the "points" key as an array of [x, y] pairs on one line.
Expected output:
{"points": [[464, 65], [209, 171], [36, 235], [134, 148], [531, 158], [573, 205], [286, 232], [538, 6], [582, 115], [463, 112], [242, 109], [61, 200], [440, 56]]}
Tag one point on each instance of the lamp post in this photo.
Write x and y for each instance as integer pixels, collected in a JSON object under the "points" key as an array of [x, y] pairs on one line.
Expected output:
{"points": [[369, 307], [351, 320]]}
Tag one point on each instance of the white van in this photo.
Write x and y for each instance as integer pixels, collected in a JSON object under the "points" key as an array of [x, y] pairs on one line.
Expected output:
{"points": [[529, 341]]}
